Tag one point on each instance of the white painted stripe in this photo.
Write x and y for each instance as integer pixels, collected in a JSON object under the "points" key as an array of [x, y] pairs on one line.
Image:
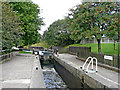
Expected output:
{"points": [[17, 81], [107, 79]]}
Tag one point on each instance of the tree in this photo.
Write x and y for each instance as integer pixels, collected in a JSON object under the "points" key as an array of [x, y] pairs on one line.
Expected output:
{"points": [[58, 34], [77, 25], [113, 28], [30, 21], [10, 27], [91, 19]]}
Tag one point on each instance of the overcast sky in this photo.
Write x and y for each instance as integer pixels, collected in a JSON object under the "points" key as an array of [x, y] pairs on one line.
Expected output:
{"points": [[53, 10]]}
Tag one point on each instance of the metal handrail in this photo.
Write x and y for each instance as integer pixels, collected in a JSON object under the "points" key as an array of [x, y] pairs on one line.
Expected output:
{"points": [[96, 63], [91, 62], [85, 62]]}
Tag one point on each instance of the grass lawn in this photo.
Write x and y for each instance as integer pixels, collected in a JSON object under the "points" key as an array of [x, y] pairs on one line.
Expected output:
{"points": [[41, 44], [23, 52], [106, 48]]}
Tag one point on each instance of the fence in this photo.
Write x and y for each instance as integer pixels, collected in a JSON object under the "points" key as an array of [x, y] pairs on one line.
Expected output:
{"points": [[5, 54], [75, 50], [101, 58], [85, 52], [103, 40]]}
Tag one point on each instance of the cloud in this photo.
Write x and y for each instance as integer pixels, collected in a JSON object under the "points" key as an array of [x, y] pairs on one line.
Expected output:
{"points": [[54, 10]]}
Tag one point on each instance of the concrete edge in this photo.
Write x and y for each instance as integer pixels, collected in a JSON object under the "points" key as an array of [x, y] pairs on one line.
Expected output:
{"points": [[103, 65], [80, 74], [37, 80], [72, 53]]}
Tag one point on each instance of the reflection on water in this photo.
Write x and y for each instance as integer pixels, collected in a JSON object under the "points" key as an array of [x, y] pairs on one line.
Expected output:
{"points": [[51, 78]]}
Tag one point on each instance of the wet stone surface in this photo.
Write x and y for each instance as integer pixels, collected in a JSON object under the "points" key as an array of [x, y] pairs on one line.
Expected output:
{"points": [[51, 78]]}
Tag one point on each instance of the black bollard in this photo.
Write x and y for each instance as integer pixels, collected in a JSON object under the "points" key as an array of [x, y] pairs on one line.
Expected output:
{"points": [[36, 68]]}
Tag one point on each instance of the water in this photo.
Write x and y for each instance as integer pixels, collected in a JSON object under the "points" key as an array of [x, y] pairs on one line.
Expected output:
{"points": [[51, 78]]}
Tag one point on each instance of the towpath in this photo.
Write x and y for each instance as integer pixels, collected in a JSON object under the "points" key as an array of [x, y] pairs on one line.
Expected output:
{"points": [[104, 76]]}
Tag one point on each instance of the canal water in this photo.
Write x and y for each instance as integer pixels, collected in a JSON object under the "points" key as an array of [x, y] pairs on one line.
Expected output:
{"points": [[52, 78]]}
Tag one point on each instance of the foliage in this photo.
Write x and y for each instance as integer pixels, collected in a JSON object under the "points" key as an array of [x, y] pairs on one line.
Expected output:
{"points": [[106, 48], [42, 44], [92, 19], [25, 52], [10, 27], [113, 27], [30, 21], [58, 34]]}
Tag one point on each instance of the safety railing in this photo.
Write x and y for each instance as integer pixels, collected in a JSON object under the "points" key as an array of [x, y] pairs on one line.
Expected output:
{"points": [[5, 54], [5, 51]]}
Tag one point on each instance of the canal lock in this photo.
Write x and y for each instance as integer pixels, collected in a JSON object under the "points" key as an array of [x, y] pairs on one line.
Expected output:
{"points": [[51, 78], [56, 76]]}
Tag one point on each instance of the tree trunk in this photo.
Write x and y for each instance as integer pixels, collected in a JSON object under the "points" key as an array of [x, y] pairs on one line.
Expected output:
{"points": [[114, 44], [99, 45], [79, 41]]}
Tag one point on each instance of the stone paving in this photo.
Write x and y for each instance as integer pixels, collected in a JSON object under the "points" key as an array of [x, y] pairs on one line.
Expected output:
{"points": [[17, 72]]}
